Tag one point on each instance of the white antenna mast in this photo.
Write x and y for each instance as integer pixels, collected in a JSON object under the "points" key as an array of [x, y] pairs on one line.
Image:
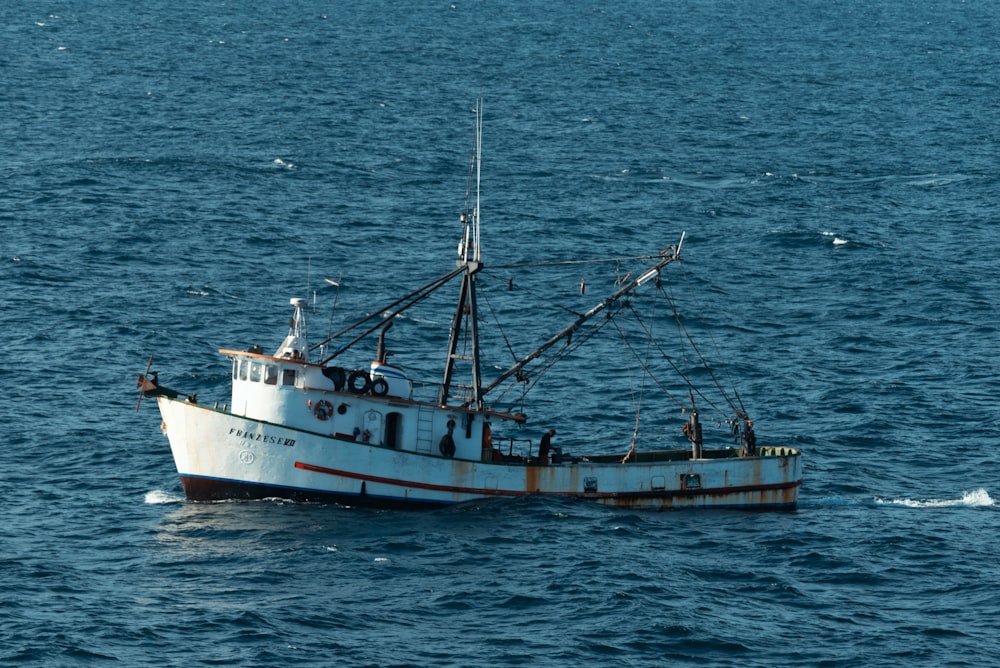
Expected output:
{"points": [[333, 309], [479, 156], [468, 247]]}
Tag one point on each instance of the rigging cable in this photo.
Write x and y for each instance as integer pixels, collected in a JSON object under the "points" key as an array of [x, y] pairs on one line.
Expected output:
{"points": [[683, 330], [642, 383], [414, 298], [579, 339], [496, 320], [718, 354], [541, 299], [677, 369], [484, 295]]}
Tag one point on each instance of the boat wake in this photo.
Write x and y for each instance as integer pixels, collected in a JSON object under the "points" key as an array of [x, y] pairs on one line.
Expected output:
{"points": [[976, 498]]}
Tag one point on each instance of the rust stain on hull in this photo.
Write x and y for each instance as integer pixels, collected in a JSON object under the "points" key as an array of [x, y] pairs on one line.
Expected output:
{"points": [[766, 497]]}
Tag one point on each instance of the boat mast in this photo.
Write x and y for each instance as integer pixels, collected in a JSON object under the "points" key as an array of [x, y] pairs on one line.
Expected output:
{"points": [[466, 320]]}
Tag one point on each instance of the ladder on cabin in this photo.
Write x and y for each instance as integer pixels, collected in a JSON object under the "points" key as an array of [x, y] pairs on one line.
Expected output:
{"points": [[425, 428]]}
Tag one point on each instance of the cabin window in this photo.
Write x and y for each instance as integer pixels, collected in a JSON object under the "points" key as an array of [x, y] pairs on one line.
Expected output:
{"points": [[244, 364], [271, 374], [254, 372], [288, 377], [692, 481], [236, 369]]}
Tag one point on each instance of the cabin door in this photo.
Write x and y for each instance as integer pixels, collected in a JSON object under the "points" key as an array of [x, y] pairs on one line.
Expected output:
{"points": [[393, 429]]}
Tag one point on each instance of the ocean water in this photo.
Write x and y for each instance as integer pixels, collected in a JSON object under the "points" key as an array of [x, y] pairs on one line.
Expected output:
{"points": [[173, 172]]}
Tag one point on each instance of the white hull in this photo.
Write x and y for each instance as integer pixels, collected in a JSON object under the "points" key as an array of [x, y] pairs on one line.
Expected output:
{"points": [[220, 455]]}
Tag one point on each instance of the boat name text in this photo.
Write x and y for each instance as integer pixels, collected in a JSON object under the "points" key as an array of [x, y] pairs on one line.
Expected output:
{"points": [[261, 437]]}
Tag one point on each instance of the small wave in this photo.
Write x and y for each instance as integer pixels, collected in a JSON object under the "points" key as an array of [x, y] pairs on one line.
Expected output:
{"points": [[207, 291], [977, 498], [159, 496], [281, 163], [837, 241]]}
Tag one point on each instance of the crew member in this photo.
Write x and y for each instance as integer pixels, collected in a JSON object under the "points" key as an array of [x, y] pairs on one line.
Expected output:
{"points": [[545, 446], [447, 444]]}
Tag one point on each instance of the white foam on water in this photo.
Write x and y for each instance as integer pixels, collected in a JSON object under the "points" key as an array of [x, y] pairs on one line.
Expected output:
{"points": [[159, 496], [977, 498]]}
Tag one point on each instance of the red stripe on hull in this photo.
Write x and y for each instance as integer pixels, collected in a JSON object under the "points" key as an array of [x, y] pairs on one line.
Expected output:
{"points": [[407, 483], [213, 489]]}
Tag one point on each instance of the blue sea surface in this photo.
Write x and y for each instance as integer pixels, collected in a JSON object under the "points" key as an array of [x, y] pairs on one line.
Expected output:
{"points": [[173, 172]]}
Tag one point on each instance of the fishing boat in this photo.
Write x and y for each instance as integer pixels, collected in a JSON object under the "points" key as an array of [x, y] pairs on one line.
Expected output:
{"points": [[303, 423]]}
